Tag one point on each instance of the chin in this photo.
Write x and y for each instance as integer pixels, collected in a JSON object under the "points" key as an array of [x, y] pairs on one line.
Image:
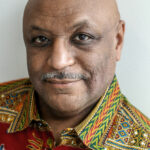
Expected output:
{"points": [[66, 105]]}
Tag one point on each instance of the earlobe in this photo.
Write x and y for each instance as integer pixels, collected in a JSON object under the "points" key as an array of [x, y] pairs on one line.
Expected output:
{"points": [[119, 39]]}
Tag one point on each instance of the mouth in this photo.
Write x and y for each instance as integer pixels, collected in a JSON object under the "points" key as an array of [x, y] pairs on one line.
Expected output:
{"points": [[59, 83]]}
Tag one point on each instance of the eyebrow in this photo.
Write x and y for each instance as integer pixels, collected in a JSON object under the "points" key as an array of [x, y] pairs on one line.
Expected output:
{"points": [[34, 27], [81, 24]]}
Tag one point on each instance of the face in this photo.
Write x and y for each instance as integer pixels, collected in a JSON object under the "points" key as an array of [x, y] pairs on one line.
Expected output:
{"points": [[71, 51]]}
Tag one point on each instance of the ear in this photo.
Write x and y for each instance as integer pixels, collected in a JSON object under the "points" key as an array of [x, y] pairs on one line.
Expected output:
{"points": [[119, 39]]}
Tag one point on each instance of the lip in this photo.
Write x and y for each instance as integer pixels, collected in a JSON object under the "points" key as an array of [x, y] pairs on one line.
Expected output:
{"points": [[58, 83]]}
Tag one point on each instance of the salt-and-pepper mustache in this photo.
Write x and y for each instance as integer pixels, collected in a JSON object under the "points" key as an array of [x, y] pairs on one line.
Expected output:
{"points": [[63, 75]]}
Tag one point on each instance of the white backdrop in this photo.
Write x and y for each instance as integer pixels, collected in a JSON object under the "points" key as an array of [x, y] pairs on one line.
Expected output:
{"points": [[133, 70]]}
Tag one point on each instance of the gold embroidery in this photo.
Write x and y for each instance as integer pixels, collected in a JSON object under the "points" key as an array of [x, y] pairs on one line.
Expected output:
{"points": [[35, 144]]}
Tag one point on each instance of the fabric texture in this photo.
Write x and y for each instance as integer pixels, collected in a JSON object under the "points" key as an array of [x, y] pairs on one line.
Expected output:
{"points": [[113, 124]]}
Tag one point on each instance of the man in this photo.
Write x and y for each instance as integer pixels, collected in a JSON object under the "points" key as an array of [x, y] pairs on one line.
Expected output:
{"points": [[72, 100]]}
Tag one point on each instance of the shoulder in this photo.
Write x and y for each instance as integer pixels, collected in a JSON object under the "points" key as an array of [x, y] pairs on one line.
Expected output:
{"points": [[130, 128], [14, 84], [136, 115], [12, 97]]}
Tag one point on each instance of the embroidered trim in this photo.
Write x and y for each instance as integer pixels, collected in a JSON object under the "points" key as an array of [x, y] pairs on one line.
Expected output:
{"points": [[139, 118], [96, 128], [118, 145], [35, 144]]}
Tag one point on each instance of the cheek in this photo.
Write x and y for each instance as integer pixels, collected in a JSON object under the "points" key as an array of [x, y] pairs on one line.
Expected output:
{"points": [[36, 62], [101, 66]]}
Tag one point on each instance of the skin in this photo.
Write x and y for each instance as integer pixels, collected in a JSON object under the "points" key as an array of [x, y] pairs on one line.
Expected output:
{"points": [[64, 36]]}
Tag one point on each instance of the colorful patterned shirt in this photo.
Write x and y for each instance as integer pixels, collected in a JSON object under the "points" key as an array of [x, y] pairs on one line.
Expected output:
{"points": [[114, 124]]}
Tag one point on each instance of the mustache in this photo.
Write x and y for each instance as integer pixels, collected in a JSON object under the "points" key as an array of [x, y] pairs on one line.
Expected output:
{"points": [[63, 75]]}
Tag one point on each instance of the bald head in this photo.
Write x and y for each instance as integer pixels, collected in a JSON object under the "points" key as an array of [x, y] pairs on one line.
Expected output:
{"points": [[104, 10]]}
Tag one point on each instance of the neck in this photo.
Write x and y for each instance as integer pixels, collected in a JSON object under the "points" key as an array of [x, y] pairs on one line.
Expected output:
{"points": [[59, 122]]}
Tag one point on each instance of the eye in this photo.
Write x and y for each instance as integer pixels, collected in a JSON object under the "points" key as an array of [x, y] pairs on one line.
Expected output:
{"points": [[82, 38], [40, 41]]}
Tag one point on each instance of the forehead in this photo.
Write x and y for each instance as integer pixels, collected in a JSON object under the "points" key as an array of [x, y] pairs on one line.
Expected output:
{"points": [[65, 13], [65, 7]]}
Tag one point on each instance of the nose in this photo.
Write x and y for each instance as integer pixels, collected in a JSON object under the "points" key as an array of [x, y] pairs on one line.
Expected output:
{"points": [[61, 57]]}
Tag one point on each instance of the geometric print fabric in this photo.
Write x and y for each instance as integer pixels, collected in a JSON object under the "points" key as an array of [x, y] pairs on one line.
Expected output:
{"points": [[123, 127], [125, 131]]}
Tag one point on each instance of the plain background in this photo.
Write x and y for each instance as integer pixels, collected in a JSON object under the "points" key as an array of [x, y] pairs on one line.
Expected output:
{"points": [[133, 70]]}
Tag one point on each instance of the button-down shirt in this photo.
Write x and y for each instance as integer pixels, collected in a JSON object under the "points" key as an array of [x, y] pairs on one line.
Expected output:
{"points": [[113, 124]]}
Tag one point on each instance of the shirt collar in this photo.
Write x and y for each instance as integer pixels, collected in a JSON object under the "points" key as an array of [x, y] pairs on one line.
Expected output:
{"points": [[27, 113], [92, 131]]}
